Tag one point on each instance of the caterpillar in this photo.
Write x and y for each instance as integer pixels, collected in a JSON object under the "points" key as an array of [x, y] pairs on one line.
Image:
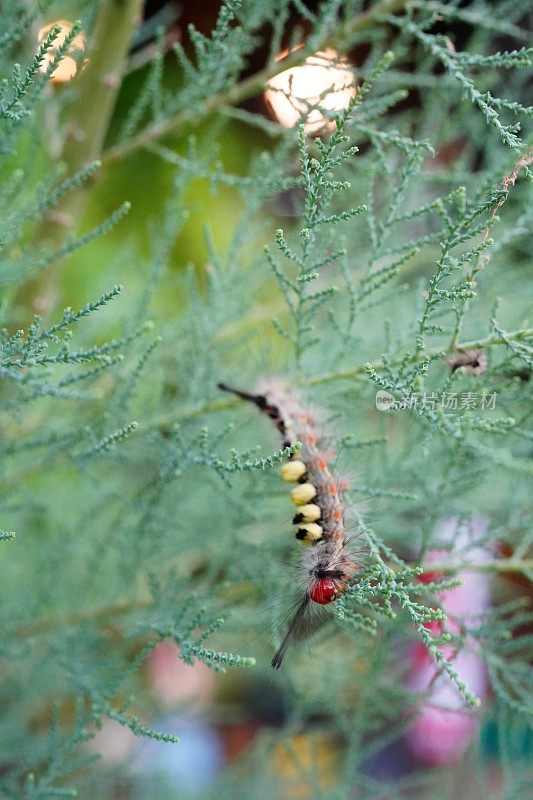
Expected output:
{"points": [[327, 562]]}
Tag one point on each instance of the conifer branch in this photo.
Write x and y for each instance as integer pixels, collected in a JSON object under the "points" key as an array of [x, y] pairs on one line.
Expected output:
{"points": [[248, 87], [107, 615], [167, 420], [432, 353], [164, 422]]}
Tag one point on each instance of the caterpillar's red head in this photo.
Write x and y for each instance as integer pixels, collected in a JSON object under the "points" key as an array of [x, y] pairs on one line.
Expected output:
{"points": [[326, 590]]}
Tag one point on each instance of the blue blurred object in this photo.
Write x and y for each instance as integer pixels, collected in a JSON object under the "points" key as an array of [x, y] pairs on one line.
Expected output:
{"points": [[191, 765]]}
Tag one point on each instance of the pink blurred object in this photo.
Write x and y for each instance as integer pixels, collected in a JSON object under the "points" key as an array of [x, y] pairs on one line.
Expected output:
{"points": [[443, 728], [112, 742], [174, 682]]}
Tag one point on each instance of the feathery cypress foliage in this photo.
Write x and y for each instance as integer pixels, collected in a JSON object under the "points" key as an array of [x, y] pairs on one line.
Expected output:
{"points": [[387, 257]]}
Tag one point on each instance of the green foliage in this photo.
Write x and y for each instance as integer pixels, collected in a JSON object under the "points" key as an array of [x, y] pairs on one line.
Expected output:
{"points": [[146, 505]]}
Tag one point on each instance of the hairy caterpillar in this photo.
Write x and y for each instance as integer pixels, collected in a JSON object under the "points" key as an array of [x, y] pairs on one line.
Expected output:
{"points": [[319, 519]]}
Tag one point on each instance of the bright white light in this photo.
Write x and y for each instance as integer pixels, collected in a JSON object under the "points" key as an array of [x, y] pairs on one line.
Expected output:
{"points": [[324, 82], [67, 67]]}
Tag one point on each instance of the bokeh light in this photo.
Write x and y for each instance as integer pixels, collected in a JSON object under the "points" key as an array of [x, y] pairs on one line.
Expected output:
{"points": [[68, 66], [323, 83]]}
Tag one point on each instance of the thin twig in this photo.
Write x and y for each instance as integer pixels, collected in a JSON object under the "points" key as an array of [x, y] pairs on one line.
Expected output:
{"points": [[166, 421], [360, 372], [507, 183], [125, 607], [242, 91]]}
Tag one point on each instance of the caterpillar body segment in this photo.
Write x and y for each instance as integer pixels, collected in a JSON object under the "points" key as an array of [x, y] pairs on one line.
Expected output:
{"points": [[327, 563], [293, 470], [303, 494], [308, 513], [309, 533]]}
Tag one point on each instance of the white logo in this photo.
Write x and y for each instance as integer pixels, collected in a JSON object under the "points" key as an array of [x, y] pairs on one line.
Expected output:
{"points": [[384, 400]]}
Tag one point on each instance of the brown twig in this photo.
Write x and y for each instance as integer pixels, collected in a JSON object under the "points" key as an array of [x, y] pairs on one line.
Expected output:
{"points": [[508, 182]]}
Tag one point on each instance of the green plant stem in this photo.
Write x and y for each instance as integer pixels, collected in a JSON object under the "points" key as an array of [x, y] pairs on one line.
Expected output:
{"points": [[87, 124], [249, 87], [90, 113], [99, 83]]}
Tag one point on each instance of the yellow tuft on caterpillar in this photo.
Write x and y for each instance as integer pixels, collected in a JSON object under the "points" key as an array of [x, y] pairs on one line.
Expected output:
{"points": [[292, 471], [301, 495], [307, 513], [309, 533]]}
